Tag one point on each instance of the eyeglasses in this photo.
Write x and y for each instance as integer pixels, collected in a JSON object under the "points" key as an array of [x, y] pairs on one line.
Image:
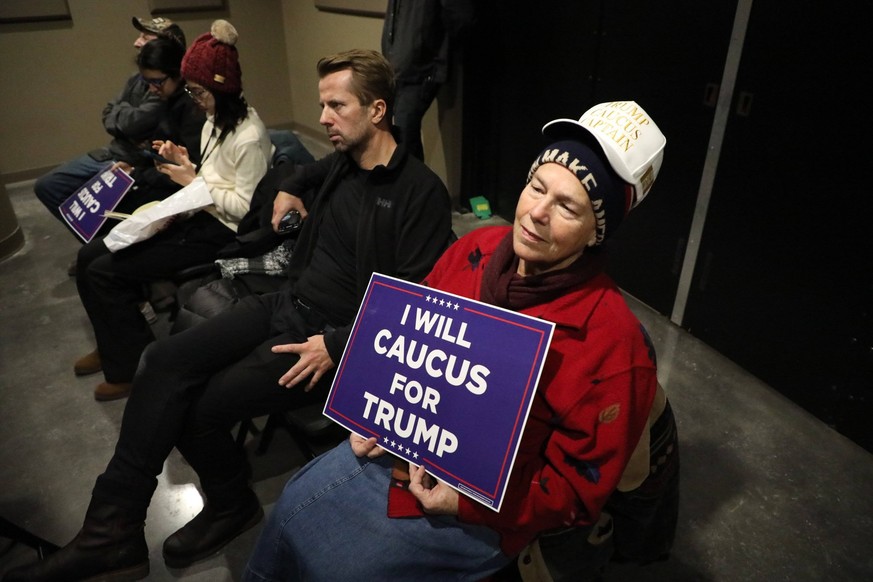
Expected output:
{"points": [[196, 94], [156, 83]]}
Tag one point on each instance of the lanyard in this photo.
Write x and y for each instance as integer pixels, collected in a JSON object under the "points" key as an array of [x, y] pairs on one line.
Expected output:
{"points": [[204, 154]]}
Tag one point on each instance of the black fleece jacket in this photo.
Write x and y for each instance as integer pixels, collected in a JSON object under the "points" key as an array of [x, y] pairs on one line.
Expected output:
{"points": [[404, 226]]}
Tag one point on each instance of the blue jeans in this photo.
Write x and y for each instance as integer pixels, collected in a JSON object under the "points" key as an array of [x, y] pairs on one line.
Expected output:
{"points": [[331, 524], [62, 182], [289, 148]]}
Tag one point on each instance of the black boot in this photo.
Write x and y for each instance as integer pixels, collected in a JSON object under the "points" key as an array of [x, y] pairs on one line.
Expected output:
{"points": [[111, 545], [212, 529]]}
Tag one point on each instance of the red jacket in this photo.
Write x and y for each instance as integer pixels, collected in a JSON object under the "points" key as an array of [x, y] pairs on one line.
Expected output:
{"points": [[591, 406]]}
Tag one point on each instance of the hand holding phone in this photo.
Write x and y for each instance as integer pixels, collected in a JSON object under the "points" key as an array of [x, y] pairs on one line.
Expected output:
{"points": [[158, 157], [290, 222]]}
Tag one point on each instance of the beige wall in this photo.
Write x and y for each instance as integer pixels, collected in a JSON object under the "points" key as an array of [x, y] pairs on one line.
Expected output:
{"points": [[57, 77], [310, 34]]}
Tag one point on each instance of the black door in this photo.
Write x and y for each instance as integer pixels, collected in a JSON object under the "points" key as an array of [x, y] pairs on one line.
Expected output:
{"points": [[536, 65], [784, 282], [522, 68], [669, 58]]}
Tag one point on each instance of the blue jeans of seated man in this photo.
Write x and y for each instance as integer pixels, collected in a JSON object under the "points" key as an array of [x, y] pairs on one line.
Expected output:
{"points": [[62, 182], [330, 523]]}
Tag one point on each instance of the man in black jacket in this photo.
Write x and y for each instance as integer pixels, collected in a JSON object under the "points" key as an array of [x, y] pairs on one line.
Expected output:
{"points": [[420, 38], [369, 207]]}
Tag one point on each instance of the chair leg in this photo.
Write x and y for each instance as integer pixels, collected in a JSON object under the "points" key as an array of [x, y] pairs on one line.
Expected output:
{"points": [[245, 427], [274, 421], [301, 431], [301, 439], [21, 535]]}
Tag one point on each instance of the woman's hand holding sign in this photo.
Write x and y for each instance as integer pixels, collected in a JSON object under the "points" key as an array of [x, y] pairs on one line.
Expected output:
{"points": [[365, 447], [435, 497]]}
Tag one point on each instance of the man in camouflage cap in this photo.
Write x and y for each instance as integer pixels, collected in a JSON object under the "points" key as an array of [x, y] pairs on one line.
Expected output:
{"points": [[156, 27]]}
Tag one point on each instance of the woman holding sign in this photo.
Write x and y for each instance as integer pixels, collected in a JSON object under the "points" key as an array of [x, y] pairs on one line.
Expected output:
{"points": [[234, 156], [599, 447]]}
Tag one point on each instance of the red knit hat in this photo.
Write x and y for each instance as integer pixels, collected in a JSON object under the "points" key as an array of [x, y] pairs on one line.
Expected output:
{"points": [[213, 61]]}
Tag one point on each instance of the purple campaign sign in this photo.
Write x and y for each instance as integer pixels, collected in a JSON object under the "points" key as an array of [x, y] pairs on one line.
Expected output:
{"points": [[83, 211], [442, 381]]}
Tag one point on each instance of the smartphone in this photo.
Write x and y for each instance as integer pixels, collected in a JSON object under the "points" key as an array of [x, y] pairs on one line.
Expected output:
{"points": [[158, 157], [290, 222]]}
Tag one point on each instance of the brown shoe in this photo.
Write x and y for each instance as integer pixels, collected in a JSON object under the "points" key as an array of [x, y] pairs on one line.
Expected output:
{"points": [[89, 364], [112, 390]]}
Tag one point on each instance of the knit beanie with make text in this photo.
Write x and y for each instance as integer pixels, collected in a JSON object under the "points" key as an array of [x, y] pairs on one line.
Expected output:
{"points": [[213, 61]]}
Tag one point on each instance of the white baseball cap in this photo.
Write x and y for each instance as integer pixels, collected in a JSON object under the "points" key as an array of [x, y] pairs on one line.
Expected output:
{"points": [[633, 144]]}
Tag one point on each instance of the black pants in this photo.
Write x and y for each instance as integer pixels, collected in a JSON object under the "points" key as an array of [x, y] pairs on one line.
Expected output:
{"points": [[411, 102], [111, 285], [192, 387]]}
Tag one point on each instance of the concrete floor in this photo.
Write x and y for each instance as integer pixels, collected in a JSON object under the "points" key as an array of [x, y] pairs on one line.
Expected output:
{"points": [[768, 491]]}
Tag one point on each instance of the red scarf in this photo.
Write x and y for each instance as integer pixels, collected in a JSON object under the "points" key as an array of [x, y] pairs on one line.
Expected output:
{"points": [[504, 287]]}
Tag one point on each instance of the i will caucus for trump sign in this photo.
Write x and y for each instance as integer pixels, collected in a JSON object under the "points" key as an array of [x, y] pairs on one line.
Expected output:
{"points": [[441, 381], [85, 211]]}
